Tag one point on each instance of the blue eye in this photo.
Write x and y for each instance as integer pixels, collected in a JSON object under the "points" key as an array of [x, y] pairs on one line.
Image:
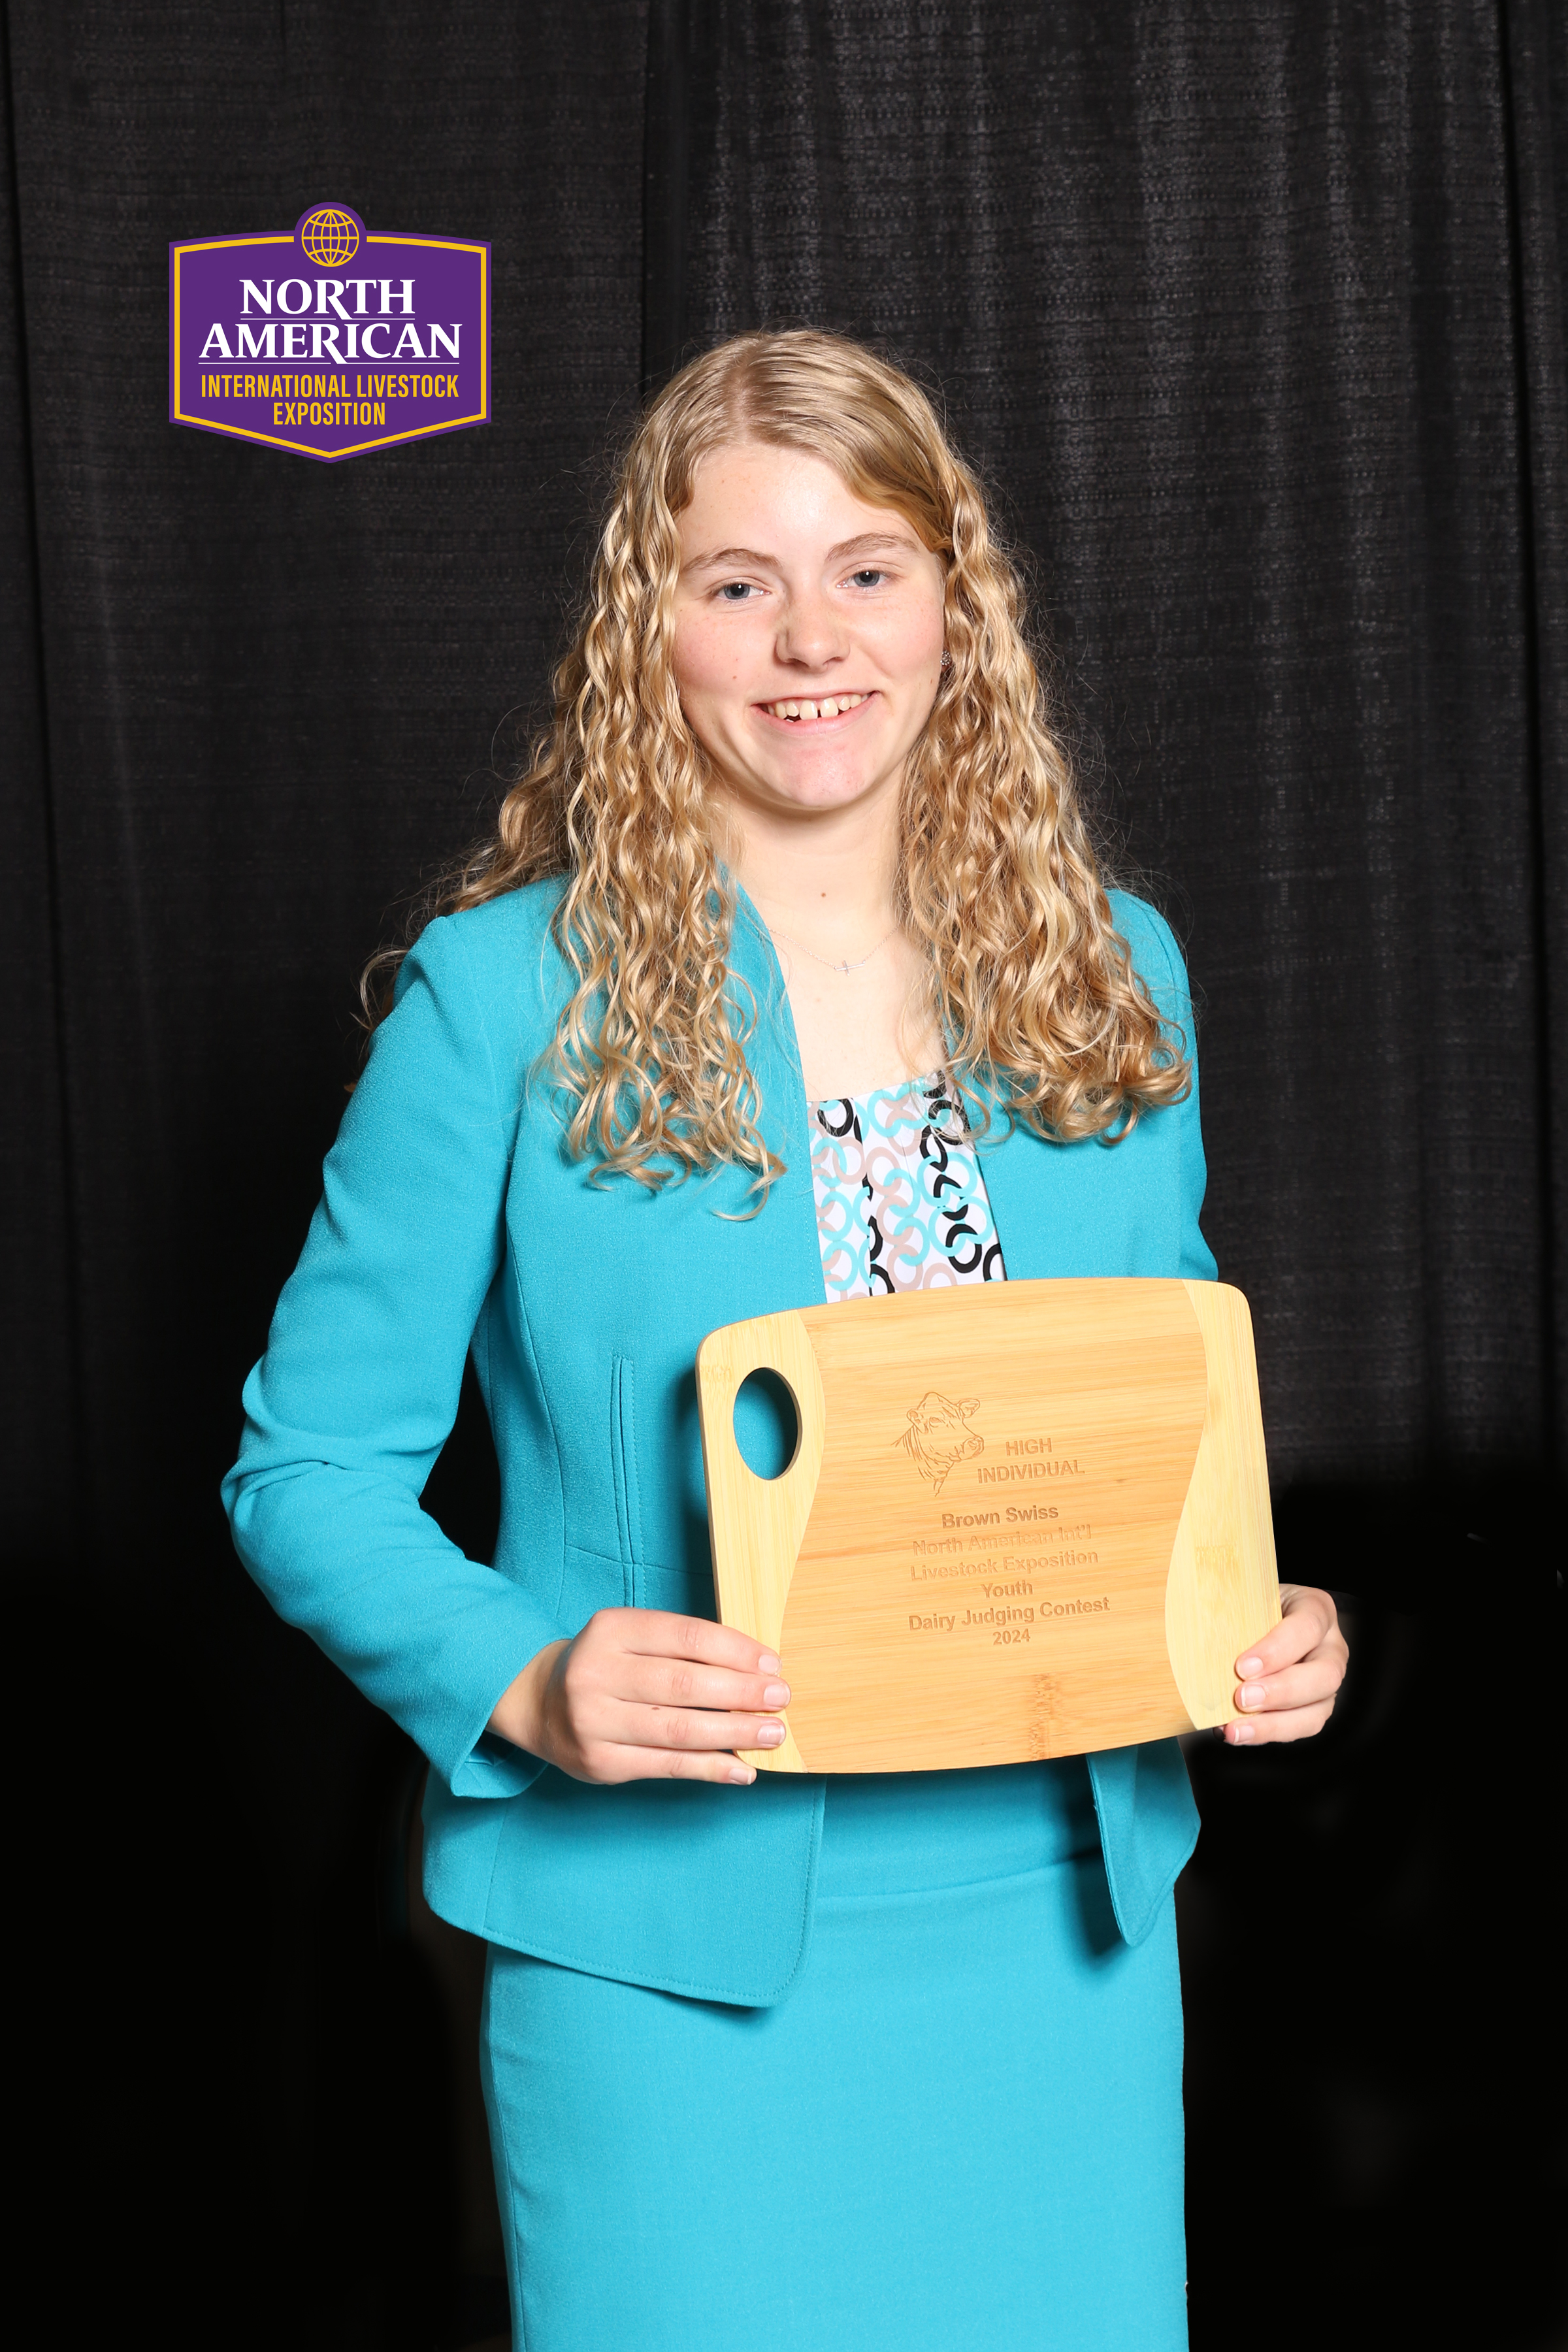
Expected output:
{"points": [[736, 591], [868, 578]]}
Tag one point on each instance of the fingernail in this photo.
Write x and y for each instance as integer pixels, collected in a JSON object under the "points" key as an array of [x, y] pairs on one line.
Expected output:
{"points": [[744, 1773], [767, 1663], [1250, 1694], [1241, 1733], [776, 1695], [770, 1735], [1249, 1666]]}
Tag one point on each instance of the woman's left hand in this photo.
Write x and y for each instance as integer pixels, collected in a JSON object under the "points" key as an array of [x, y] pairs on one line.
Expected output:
{"points": [[1289, 1679]]}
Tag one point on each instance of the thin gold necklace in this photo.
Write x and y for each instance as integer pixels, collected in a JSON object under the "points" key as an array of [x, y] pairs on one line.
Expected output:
{"points": [[832, 963]]}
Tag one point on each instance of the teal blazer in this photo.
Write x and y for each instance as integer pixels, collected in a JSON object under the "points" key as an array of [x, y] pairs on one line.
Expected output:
{"points": [[453, 1220]]}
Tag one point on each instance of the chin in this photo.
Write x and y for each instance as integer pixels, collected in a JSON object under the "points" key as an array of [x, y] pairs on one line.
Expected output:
{"points": [[825, 782], [811, 798]]}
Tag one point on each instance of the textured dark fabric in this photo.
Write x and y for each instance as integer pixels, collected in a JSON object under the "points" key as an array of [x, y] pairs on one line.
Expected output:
{"points": [[250, 701], [265, 682], [1253, 313]]}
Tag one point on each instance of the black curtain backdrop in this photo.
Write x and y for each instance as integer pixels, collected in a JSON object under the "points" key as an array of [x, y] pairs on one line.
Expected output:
{"points": [[1252, 311]]}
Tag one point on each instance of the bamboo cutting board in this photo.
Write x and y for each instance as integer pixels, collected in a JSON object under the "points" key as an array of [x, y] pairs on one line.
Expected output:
{"points": [[1022, 1519]]}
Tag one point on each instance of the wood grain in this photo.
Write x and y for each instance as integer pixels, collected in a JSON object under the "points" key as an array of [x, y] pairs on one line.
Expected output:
{"points": [[1024, 1520], [757, 1524], [1223, 1591]]}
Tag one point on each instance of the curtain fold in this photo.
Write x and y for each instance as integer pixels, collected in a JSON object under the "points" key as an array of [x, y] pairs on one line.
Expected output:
{"points": [[1537, 60], [44, 1458]]}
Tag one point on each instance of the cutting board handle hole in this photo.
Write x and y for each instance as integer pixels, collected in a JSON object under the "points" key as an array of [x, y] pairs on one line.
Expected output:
{"points": [[767, 1422]]}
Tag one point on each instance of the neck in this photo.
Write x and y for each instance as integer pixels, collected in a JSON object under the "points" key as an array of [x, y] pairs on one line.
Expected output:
{"points": [[827, 876], [824, 882]]}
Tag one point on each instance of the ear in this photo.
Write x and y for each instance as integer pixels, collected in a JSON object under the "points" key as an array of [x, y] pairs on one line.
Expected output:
{"points": [[969, 1405]]}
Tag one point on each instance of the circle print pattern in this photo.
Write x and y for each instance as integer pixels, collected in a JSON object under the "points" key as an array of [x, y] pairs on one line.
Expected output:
{"points": [[901, 1201], [329, 237]]}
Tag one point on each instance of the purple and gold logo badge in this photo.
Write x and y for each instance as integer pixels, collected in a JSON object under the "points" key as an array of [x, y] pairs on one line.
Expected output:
{"points": [[332, 341]]}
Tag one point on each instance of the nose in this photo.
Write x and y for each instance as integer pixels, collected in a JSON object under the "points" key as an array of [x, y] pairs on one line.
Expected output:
{"points": [[811, 634]]}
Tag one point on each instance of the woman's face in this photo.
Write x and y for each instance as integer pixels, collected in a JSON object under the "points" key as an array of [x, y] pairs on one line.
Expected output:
{"points": [[808, 635]]}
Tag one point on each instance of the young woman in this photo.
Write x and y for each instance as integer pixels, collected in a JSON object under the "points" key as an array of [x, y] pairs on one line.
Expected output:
{"points": [[788, 974]]}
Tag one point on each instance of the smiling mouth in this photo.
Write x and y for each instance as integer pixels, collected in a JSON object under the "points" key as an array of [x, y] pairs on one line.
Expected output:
{"points": [[831, 706]]}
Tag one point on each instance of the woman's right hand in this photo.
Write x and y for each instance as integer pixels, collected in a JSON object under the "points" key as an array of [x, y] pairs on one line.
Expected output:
{"points": [[641, 1694]]}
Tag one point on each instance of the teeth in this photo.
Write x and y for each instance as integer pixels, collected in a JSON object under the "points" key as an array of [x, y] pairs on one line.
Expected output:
{"points": [[829, 708]]}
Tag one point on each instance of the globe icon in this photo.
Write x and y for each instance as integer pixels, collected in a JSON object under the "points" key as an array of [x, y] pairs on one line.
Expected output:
{"points": [[329, 237]]}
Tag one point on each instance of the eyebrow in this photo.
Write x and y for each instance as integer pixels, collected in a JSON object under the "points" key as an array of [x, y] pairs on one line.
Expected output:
{"points": [[868, 543]]}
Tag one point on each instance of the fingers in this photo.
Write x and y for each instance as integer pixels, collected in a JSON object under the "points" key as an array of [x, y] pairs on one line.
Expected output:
{"points": [[653, 1660], [676, 1682], [607, 1764], [631, 1724], [1290, 1678], [684, 1731], [643, 1694], [1308, 1618], [1311, 1683], [621, 1743], [1278, 1730], [658, 1633]]}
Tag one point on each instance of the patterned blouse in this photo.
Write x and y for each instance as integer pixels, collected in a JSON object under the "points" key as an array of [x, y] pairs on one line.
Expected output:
{"points": [[901, 1201]]}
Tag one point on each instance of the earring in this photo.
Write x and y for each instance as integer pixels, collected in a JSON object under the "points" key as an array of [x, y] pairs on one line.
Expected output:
{"points": [[946, 659]]}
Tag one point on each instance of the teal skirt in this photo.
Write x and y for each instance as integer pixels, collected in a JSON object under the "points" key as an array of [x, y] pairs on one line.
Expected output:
{"points": [[960, 2131]]}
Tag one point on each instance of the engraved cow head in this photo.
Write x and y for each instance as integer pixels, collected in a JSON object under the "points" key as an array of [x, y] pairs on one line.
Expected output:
{"points": [[939, 1437]]}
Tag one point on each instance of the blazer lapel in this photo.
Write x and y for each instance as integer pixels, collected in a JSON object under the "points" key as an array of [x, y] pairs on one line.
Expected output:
{"points": [[773, 1053]]}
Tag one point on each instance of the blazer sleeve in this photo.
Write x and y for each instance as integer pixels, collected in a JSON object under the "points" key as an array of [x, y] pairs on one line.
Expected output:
{"points": [[1158, 963], [349, 1407]]}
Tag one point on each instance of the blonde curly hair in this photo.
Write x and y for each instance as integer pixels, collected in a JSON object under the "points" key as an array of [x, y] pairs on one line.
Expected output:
{"points": [[1031, 984]]}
